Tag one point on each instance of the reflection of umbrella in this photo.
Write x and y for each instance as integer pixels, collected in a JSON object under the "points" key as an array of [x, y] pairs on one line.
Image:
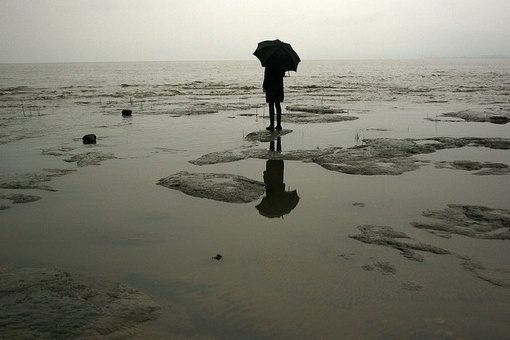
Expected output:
{"points": [[277, 54], [278, 204]]}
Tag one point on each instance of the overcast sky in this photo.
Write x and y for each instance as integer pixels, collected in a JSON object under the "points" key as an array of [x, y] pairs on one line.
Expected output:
{"points": [[160, 30]]}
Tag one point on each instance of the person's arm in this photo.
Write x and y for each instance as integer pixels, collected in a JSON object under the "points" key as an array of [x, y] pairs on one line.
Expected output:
{"points": [[264, 84]]}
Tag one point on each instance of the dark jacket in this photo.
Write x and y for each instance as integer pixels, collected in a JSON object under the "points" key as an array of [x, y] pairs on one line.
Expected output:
{"points": [[273, 85]]}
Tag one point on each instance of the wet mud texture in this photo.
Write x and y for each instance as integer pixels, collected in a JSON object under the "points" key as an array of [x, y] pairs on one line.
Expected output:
{"points": [[495, 116], [472, 221], [17, 199], [220, 187], [32, 180], [379, 156], [468, 220], [313, 114], [51, 304], [479, 168]]}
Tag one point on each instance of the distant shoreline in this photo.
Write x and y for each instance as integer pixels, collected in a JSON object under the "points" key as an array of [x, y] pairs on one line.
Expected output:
{"points": [[488, 57]]}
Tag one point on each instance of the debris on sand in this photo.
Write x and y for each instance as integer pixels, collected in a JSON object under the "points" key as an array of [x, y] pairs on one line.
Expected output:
{"points": [[217, 257], [220, 187]]}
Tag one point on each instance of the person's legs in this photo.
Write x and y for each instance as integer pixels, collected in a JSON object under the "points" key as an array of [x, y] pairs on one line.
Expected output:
{"points": [[278, 116], [271, 117]]}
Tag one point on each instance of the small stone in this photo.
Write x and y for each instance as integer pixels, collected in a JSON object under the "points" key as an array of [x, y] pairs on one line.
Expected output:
{"points": [[89, 139], [126, 112]]}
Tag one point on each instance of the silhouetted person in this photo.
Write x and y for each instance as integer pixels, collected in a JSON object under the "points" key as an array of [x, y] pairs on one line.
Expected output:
{"points": [[273, 87]]}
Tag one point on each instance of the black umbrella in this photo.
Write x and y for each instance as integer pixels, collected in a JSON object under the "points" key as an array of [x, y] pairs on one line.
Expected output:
{"points": [[277, 54]]}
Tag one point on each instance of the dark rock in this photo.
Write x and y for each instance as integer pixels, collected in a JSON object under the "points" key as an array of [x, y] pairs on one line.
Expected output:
{"points": [[127, 113], [89, 139]]}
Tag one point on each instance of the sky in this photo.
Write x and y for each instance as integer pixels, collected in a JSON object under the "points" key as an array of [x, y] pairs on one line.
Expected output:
{"points": [[166, 30]]}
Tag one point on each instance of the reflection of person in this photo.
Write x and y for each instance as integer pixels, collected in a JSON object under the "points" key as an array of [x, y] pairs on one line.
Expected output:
{"points": [[277, 201], [273, 87]]}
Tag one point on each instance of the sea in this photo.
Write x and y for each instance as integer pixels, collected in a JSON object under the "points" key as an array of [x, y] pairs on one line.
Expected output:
{"points": [[296, 276]]}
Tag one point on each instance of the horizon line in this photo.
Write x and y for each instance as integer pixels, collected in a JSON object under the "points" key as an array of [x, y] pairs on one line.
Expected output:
{"points": [[491, 57]]}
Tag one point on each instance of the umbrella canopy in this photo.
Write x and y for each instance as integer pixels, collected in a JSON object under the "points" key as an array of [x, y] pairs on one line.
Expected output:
{"points": [[277, 54]]}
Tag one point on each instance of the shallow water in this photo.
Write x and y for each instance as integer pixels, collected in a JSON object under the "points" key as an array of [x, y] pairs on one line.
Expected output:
{"points": [[299, 276]]}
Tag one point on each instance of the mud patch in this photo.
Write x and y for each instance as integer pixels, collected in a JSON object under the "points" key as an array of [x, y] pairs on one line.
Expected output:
{"points": [[219, 187], [411, 286], [494, 116], [90, 158], [379, 156], [50, 304], [315, 109], [32, 180], [382, 266], [486, 168], [385, 156], [20, 198], [387, 236], [266, 136], [472, 221]]}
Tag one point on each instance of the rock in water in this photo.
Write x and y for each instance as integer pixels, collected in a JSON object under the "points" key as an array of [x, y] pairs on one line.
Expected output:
{"points": [[127, 113], [89, 139]]}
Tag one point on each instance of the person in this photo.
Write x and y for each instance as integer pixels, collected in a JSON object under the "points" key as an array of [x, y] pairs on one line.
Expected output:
{"points": [[273, 88]]}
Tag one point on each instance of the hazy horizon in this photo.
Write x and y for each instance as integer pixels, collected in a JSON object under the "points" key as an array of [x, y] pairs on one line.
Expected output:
{"points": [[61, 31]]}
